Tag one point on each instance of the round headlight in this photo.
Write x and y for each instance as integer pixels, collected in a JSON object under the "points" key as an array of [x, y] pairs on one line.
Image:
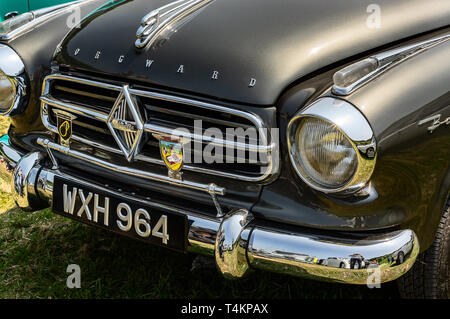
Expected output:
{"points": [[331, 146], [7, 93], [325, 154], [12, 82]]}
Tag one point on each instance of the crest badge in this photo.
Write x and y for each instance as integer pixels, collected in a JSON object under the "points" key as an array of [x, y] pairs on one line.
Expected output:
{"points": [[64, 123], [172, 154], [171, 150]]}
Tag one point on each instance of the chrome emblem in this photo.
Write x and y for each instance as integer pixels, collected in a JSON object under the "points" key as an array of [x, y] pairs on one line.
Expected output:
{"points": [[64, 124], [436, 119], [148, 24], [155, 22], [65, 129], [172, 154], [126, 124], [171, 149]]}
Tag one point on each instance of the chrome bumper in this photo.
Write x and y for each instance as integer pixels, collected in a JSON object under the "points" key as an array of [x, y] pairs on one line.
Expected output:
{"points": [[237, 242]]}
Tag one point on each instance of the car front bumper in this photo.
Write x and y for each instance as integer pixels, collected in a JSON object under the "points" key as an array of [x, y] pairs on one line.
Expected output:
{"points": [[237, 241]]}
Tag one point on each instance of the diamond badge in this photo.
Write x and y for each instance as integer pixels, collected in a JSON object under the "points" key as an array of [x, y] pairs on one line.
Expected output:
{"points": [[126, 124]]}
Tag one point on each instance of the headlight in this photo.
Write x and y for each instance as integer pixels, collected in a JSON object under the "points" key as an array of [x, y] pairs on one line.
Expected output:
{"points": [[325, 154], [331, 146], [6, 93], [12, 82]]}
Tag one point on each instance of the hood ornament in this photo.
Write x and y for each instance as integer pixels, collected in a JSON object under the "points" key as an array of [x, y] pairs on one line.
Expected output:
{"points": [[155, 22]]}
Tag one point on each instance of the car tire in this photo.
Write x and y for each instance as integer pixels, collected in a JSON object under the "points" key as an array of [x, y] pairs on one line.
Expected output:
{"points": [[341, 265], [429, 278]]}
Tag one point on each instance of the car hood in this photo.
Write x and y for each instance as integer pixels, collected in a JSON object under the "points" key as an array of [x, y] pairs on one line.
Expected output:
{"points": [[267, 43]]}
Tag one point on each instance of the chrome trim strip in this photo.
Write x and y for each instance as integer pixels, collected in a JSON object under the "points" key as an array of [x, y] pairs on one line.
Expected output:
{"points": [[76, 109], [86, 94], [130, 171], [41, 16], [263, 132], [197, 117], [389, 59], [347, 117]]}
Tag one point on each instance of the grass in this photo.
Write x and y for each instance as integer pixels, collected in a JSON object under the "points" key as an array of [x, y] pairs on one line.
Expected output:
{"points": [[37, 247]]}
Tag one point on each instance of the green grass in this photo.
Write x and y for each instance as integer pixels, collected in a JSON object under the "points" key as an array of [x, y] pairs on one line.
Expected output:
{"points": [[36, 248]]}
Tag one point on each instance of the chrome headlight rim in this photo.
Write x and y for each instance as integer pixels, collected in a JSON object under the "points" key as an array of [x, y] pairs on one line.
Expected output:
{"points": [[349, 121], [12, 67]]}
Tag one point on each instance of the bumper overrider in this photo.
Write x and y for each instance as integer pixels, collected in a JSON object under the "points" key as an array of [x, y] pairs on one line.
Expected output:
{"points": [[237, 241]]}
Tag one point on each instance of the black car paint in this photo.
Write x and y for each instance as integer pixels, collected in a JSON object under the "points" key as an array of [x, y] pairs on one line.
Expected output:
{"points": [[274, 42], [287, 199]]}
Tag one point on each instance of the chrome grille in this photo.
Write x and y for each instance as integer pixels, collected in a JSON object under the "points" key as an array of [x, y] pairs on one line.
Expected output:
{"points": [[122, 114], [92, 101]]}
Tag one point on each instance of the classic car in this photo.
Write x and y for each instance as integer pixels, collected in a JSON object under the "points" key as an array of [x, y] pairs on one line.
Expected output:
{"points": [[264, 134], [9, 9], [337, 262]]}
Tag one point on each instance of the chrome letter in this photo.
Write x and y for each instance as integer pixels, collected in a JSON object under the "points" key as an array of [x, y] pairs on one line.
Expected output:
{"points": [[99, 209], [69, 199], [84, 204]]}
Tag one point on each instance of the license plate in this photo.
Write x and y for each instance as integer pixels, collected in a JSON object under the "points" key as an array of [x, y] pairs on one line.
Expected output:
{"points": [[120, 214]]}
